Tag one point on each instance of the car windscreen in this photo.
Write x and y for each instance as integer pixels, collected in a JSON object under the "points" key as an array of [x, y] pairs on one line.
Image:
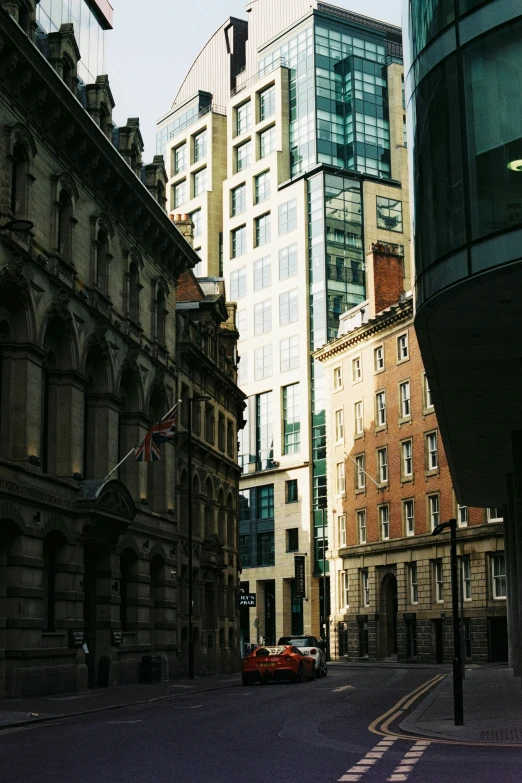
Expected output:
{"points": [[305, 641]]}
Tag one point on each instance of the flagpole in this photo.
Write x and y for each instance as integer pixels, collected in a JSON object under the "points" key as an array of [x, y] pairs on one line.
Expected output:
{"points": [[169, 413]]}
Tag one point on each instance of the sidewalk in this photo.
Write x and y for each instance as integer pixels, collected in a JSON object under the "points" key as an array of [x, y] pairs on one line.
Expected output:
{"points": [[492, 708], [18, 712]]}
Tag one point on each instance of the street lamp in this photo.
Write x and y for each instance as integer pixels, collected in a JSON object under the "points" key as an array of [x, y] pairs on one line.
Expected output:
{"points": [[17, 225], [191, 401], [458, 702], [323, 505]]}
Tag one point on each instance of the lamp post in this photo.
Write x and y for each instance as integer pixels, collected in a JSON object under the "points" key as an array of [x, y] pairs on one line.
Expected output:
{"points": [[458, 702], [322, 506], [16, 225], [191, 401]]}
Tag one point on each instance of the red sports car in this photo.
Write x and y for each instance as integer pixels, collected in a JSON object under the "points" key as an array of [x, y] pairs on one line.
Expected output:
{"points": [[284, 662]]}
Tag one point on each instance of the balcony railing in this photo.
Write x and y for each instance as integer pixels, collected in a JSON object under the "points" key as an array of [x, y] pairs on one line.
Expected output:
{"points": [[279, 63], [212, 109]]}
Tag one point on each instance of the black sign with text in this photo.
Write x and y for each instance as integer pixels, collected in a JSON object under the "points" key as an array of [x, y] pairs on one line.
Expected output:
{"points": [[247, 599], [300, 585]]}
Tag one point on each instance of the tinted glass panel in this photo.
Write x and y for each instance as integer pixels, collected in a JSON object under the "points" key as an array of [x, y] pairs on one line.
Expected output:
{"points": [[427, 19]]}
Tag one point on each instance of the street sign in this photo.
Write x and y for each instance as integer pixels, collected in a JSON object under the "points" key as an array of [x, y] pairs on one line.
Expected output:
{"points": [[247, 599], [299, 572]]}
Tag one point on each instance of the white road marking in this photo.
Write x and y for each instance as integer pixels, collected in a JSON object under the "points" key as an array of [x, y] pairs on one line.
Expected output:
{"points": [[355, 773], [406, 764], [182, 686], [342, 688], [195, 707]]}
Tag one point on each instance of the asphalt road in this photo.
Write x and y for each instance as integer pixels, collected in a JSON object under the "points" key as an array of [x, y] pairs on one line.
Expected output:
{"points": [[314, 732]]}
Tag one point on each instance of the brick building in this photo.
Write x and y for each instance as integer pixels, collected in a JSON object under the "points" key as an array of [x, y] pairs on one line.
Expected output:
{"points": [[92, 570], [388, 486]]}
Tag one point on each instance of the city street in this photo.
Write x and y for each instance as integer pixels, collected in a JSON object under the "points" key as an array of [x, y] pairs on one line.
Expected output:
{"points": [[314, 732]]}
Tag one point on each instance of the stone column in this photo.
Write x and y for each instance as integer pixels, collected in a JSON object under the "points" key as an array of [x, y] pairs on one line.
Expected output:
{"points": [[65, 425], [102, 434], [132, 428], [21, 412]]}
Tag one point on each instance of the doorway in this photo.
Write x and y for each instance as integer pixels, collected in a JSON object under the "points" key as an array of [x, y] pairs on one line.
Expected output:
{"points": [[389, 605], [439, 644], [498, 640], [270, 619]]}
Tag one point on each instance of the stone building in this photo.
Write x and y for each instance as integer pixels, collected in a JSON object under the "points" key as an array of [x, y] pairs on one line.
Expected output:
{"points": [[89, 568], [389, 486]]}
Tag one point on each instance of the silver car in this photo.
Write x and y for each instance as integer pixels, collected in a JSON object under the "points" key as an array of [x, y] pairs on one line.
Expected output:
{"points": [[310, 645]]}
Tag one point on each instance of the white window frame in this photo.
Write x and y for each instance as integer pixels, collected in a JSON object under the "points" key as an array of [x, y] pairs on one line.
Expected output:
{"points": [[432, 451], [406, 459], [382, 464], [413, 583], [493, 518], [339, 425], [409, 530], [365, 587], [358, 416], [357, 369], [340, 479], [403, 350], [384, 522], [405, 399], [362, 531], [338, 377], [380, 408], [378, 358], [428, 402], [438, 579], [465, 564], [434, 514], [344, 590], [499, 578], [341, 522], [462, 515], [360, 475]]}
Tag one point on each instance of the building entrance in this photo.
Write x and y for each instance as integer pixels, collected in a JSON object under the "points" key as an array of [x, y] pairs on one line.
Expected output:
{"points": [[498, 639], [389, 607], [439, 644]]}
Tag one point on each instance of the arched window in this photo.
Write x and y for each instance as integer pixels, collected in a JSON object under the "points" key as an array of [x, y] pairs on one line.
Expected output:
{"points": [[161, 315], [65, 213], [102, 261], [19, 172], [134, 293]]}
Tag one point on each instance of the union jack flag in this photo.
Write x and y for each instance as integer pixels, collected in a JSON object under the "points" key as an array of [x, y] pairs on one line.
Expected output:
{"points": [[148, 449]]}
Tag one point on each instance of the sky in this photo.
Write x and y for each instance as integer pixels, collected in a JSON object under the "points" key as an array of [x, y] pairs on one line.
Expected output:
{"points": [[154, 43]]}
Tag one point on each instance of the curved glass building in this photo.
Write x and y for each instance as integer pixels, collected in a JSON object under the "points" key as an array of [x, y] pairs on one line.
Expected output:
{"points": [[464, 94]]}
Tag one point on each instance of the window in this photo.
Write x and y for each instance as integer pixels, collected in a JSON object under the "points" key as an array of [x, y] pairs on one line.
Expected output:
{"points": [[382, 464], [289, 352], [180, 158], [404, 393], [65, 214], [409, 519], [238, 200], [365, 587], [239, 241], [180, 193], [262, 273], [433, 511], [288, 307], [238, 284], [428, 402], [462, 516], [339, 425], [243, 118], [402, 347], [291, 419], [338, 378], [495, 515], [389, 214], [339, 479], [414, 588], [378, 358], [438, 581], [200, 182], [267, 103], [243, 156], [358, 419], [356, 369], [361, 526], [200, 146], [263, 317], [342, 529], [432, 459], [465, 564], [265, 549], [407, 459], [287, 262], [343, 593], [196, 219], [380, 405], [242, 376], [291, 491], [242, 322], [384, 522], [264, 431], [262, 187], [263, 230], [267, 142], [263, 362], [498, 566], [360, 476], [287, 217], [292, 539]]}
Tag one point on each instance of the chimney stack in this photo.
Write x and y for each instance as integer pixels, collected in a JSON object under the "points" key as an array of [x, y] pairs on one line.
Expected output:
{"points": [[385, 275], [185, 226]]}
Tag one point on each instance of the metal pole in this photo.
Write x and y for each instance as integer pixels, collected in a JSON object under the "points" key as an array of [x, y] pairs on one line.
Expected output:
{"points": [[458, 707], [462, 630], [324, 589], [189, 536]]}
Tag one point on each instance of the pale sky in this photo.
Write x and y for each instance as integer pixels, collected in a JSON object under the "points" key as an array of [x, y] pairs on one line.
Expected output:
{"points": [[154, 43]]}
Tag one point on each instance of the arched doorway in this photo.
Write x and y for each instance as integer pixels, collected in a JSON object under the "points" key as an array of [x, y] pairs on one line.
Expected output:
{"points": [[389, 614]]}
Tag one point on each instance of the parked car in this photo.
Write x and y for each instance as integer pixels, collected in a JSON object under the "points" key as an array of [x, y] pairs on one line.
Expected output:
{"points": [[310, 645], [284, 662]]}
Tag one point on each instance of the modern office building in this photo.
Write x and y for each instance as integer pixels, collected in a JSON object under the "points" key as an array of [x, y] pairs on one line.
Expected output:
{"points": [[286, 146], [464, 91], [389, 486]]}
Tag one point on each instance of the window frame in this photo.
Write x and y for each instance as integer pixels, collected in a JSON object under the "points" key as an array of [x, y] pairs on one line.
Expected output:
{"points": [[380, 410], [413, 583], [362, 527], [242, 164], [383, 466], [339, 425], [358, 421], [267, 133], [360, 475], [431, 496], [234, 212], [337, 376], [428, 436], [365, 587], [234, 233], [404, 336], [426, 395], [357, 370], [340, 479], [438, 580], [496, 557], [465, 565], [263, 231], [384, 520], [407, 531], [341, 527], [376, 368], [405, 402], [344, 589]]}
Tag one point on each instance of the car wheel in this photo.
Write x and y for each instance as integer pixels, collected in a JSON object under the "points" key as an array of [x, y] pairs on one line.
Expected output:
{"points": [[317, 671], [263, 680], [325, 669], [312, 673], [246, 679]]}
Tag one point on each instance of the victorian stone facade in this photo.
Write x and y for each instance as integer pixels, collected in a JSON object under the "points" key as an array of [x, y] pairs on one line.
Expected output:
{"points": [[92, 570]]}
